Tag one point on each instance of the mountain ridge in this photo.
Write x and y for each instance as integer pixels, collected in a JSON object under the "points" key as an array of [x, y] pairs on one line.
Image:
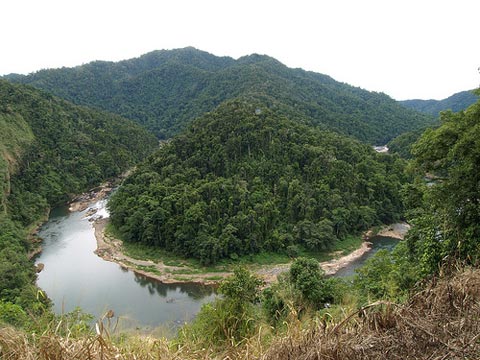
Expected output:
{"points": [[456, 102], [166, 89]]}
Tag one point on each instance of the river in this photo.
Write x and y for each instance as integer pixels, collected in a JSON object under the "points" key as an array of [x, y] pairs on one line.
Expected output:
{"points": [[75, 277], [378, 243]]}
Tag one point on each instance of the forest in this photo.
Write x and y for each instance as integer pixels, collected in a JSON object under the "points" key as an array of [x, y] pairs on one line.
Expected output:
{"points": [[259, 157], [457, 102], [244, 178], [165, 90], [50, 151]]}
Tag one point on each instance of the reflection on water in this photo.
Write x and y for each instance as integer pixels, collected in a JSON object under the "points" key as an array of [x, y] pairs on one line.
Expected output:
{"points": [[75, 277], [194, 291]]}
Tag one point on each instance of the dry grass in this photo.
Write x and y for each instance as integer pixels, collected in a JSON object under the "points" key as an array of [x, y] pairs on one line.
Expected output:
{"points": [[440, 322]]}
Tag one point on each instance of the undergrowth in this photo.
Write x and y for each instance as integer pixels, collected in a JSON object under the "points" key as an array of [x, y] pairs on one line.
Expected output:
{"points": [[438, 322]]}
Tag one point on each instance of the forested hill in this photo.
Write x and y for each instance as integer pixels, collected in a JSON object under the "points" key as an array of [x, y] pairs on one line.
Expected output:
{"points": [[64, 148], [165, 90], [244, 178], [49, 150], [457, 102]]}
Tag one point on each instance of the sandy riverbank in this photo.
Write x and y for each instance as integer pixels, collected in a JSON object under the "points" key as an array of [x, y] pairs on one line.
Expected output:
{"points": [[110, 249], [396, 231]]}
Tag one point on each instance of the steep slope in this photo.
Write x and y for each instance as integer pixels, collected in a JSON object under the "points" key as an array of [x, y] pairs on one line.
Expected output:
{"points": [[165, 90], [457, 102], [50, 149], [244, 178], [68, 147], [439, 322], [15, 136]]}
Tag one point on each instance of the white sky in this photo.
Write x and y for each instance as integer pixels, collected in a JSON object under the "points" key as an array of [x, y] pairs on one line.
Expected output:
{"points": [[405, 48]]}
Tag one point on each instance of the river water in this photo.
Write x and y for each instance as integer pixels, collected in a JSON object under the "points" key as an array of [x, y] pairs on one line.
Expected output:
{"points": [[75, 277], [378, 243]]}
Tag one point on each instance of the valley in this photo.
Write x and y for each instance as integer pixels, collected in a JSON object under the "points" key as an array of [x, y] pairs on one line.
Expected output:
{"points": [[265, 185]]}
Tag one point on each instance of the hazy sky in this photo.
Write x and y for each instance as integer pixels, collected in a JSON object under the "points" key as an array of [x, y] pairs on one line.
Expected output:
{"points": [[405, 48]]}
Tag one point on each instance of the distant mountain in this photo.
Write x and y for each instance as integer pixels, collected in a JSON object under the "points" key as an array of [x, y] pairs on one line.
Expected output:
{"points": [[165, 90], [457, 102]]}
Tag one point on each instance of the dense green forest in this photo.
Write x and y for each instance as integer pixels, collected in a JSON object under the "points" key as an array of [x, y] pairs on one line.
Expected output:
{"points": [[457, 102], [402, 144], [244, 178], [249, 175], [446, 217], [434, 264], [165, 90], [50, 150]]}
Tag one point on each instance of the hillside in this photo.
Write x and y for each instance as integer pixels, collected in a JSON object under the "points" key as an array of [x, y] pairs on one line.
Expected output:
{"points": [[51, 149], [457, 102], [15, 136], [69, 148], [165, 90], [244, 178], [403, 143]]}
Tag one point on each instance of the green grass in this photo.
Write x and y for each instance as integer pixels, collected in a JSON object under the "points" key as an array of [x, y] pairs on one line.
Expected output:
{"points": [[342, 247], [144, 252], [185, 271], [265, 258], [150, 268], [193, 266], [214, 278], [349, 244]]}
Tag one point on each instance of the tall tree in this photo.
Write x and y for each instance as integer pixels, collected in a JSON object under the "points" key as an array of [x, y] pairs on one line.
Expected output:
{"points": [[449, 224]]}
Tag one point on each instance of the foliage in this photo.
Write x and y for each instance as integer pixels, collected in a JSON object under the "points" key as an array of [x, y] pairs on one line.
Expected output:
{"points": [[302, 290], [440, 321], [402, 144], [308, 278], [228, 320], [12, 314], [16, 271], [244, 179], [446, 222], [242, 288], [387, 275], [166, 90], [50, 150]]}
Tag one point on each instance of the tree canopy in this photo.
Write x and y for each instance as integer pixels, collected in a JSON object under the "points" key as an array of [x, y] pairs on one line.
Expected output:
{"points": [[166, 90], [448, 215], [457, 102], [49, 150], [245, 178]]}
